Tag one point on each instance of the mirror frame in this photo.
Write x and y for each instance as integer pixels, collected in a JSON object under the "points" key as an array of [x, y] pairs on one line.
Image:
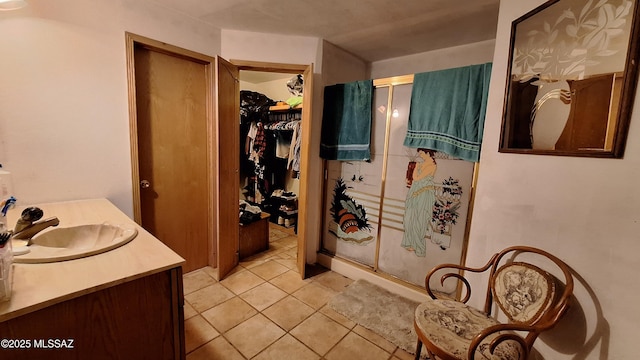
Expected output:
{"points": [[625, 105]]}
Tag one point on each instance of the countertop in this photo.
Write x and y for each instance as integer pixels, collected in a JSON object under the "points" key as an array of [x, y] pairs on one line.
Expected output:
{"points": [[36, 286]]}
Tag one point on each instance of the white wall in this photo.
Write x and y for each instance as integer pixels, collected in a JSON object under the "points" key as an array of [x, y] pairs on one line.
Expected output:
{"points": [[246, 45], [457, 56], [64, 124], [275, 90], [341, 66], [584, 210]]}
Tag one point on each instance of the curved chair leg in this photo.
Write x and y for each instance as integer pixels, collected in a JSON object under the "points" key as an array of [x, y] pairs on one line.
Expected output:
{"points": [[418, 349]]}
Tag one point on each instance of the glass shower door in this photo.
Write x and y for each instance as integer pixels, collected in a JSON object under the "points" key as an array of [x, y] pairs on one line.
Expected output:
{"points": [[352, 196]]}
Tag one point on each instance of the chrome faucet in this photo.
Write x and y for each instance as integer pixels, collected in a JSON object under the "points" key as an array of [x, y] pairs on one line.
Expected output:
{"points": [[28, 225]]}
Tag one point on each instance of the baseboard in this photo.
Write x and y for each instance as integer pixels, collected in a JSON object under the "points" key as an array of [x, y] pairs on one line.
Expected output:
{"points": [[354, 272]]}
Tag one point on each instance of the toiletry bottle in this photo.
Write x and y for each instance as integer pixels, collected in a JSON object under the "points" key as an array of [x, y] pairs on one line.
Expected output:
{"points": [[6, 192], [6, 269]]}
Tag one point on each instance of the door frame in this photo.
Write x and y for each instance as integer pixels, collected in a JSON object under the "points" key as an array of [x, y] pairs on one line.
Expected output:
{"points": [[307, 103], [133, 40]]}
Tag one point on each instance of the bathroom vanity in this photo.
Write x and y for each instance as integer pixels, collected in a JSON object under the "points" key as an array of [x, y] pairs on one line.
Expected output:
{"points": [[126, 303]]}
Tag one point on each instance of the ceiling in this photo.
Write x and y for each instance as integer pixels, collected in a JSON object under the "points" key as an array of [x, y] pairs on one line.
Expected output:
{"points": [[370, 29]]}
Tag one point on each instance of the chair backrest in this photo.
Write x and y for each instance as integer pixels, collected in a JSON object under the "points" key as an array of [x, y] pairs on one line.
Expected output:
{"points": [[523, 291], [526, 293]]}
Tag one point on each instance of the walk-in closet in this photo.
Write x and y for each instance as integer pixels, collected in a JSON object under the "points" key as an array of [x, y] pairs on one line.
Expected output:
{"points": [[270, 140]]}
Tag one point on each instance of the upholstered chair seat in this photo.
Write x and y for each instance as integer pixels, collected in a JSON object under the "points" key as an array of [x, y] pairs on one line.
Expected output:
{"points": [[451, 325]]}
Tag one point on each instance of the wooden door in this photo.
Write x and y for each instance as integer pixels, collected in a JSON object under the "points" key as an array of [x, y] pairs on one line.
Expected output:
{"points": [[228, 169], [172, 151]]}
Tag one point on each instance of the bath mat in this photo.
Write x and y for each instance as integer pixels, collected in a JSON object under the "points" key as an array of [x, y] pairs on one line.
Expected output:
{"points": [[383, 312]]}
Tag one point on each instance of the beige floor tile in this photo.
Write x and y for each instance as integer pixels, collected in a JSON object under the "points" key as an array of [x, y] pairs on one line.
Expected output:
{"points": [[236, 270], [273, 252], [229, 314], [314, 295], [289, 242], [319, 332], [260, 256], [287, 302], [333, 280], [263, 296], [197, 332], [342, 320], [251, 262], [278, 245], [287, 348], [289, 230], [208, 297], [241, 281], [355, 347], [404, 355], [275, 235], [189, 311], [196, 280], [218, 348], [290, 281], [269, 270], [254, 335], [290, 263], [288, 312], [375, 338], [213, 272], [293, 252], [282, 255]]}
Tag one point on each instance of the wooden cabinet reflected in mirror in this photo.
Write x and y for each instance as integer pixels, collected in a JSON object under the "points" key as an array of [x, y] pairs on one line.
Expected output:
{"points": [[572, 78]]}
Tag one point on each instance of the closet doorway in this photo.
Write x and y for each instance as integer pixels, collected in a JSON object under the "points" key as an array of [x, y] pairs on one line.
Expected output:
{"points": [[229, 188], [270, 140]]}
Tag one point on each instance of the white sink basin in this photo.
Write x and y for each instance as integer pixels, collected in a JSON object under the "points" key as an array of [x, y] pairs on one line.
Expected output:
{"points": [[59, 244]]}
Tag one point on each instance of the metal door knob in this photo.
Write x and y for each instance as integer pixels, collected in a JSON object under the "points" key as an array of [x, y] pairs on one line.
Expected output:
{"points": [[145, 184]]}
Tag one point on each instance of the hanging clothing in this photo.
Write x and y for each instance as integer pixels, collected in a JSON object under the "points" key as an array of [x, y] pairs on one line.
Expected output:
{"points": [[251, 135], [283, 144], [448, 110], [294, 152], [346, 121], [259, 143]]}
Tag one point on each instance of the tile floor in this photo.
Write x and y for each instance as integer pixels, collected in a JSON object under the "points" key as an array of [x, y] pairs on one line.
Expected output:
{"points": [[265, 311]]}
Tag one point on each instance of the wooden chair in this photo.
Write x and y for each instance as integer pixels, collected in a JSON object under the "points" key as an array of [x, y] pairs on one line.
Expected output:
{"points": [[531, 299]]}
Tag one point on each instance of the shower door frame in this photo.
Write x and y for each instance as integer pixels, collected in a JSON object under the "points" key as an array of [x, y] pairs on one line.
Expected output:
{"points": [[391, 82]]}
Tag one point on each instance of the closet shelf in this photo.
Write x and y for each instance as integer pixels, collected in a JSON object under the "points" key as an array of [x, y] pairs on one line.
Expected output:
{"points": [[284, 107]]}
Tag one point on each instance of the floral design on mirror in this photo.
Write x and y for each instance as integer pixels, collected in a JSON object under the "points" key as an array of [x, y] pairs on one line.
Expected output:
{"points": [[572, 77]]}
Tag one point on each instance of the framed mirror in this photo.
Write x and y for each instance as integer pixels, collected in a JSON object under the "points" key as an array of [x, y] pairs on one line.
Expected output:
{"points": [[573, 68]]}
